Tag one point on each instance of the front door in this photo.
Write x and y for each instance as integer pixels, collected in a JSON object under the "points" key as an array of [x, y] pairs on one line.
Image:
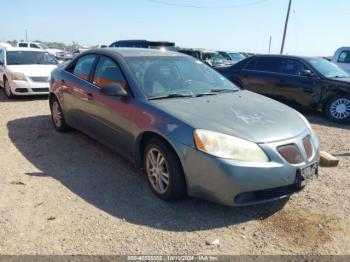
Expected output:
{"points": [[295, 87], [110, 114]]}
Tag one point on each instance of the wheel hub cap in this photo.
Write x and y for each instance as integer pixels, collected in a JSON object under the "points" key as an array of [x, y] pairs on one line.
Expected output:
{"points": [[340, 108]]}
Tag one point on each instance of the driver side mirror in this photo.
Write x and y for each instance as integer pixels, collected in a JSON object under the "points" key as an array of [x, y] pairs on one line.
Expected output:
{"points": [[114, 89], [307, 73]]}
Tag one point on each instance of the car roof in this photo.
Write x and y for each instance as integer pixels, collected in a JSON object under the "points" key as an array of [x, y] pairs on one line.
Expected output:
{"points": [[25, 49], [286, 56], [134, 52]]}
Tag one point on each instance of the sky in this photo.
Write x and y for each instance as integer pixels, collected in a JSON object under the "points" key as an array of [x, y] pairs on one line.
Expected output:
{"points": [[316, 27]]}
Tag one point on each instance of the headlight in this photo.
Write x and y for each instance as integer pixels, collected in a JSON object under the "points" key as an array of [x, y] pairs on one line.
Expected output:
{"points": [[229, 147], [18, 76]]}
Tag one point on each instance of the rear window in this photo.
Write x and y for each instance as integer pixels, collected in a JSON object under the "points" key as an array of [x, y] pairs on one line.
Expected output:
{"points": [[344, 57], [23, 45]]}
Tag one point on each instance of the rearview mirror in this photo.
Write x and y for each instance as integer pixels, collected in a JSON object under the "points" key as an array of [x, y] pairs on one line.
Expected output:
{"points": [[113, 89], [307, 73]]}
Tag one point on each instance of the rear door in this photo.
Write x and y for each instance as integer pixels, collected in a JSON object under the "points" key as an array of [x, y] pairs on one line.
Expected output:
{"points": [[261, 74], [77, 88], [295, 86]]}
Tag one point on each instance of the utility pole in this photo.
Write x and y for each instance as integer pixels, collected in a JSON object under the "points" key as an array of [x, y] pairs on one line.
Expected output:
{"points": [[26, 35], [270, 44], [285, 27]]}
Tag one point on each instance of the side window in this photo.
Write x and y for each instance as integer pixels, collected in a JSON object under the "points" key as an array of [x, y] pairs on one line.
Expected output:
{"points": [[83, 66], [269, 64], [292, 67], [108, 72], [34, 46], [23, 44], [344, 57], [1, 57], [251, 65]]}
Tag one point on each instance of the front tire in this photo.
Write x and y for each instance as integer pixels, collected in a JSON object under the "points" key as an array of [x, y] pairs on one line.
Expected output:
{"points": [[7, 89], [164, 172], [338, 109], [57, 116]]}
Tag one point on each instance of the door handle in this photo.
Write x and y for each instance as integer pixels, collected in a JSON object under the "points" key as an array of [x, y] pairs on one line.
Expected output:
{"points": [[90, 96], [87, 97]]}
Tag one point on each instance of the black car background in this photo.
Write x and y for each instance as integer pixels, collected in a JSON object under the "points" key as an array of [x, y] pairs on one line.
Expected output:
{"points": [[298, 81]]}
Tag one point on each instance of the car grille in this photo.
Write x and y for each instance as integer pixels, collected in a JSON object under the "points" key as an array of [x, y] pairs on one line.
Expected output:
{"points": [[39, 90], [308, 147], [43, 79], [291, 153]]}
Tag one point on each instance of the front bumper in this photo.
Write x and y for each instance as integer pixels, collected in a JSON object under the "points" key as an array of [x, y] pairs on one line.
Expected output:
{"points": [[236, 183], [25, 88]]}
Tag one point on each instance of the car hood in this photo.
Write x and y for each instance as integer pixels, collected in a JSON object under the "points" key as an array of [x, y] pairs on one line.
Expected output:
{"points": [[342, 80], [241, 114], [32, 70]]}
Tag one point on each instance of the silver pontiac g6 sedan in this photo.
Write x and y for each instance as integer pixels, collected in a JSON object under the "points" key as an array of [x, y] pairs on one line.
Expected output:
{"points": [[191, 130]]}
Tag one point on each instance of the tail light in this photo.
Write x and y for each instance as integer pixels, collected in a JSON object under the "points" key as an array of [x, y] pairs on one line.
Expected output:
{"points": [[308, 147], [291, 153]]}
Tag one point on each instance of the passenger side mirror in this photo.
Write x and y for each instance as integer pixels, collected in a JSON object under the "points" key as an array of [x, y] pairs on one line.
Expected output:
{"points": [[307, 73], [114, 89]]}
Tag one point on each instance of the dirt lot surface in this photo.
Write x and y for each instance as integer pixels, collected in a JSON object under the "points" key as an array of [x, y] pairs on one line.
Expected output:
{"points": [[67, 194]]}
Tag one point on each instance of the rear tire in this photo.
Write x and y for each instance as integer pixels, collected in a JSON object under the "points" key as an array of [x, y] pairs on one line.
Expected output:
{"points": [[7, 89], [57, 116], [338, 109], [164, 171]]}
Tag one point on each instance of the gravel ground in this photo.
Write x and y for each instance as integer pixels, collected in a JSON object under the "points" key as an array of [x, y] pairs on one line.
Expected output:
{"points": [[67, 194]]}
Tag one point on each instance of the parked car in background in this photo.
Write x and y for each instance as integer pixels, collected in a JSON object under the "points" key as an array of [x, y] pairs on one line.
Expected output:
{"points": [[5, 45], [191, 130], [342, 58], [233, 57], [102, 46], [25, 71], [210, 57], [145, 44], [58, 53], [303, 81]]}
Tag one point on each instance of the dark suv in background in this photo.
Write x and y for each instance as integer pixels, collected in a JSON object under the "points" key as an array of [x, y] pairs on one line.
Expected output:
{"points": [[301, 81], [145, 44]]}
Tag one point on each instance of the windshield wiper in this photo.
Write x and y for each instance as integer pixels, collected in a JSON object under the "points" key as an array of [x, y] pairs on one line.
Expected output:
{"points": [[223, 90], [206, 94], [339, 76], [175, 95]]}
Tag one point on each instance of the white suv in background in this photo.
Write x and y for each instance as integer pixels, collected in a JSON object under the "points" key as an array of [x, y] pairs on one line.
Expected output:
{"points": [[25, 71], [59, 54], [342, 58]]}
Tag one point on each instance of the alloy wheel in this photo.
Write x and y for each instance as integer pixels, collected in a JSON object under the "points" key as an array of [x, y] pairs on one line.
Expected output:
{"points": [[56, 114], [340, 108], [157, 170]]}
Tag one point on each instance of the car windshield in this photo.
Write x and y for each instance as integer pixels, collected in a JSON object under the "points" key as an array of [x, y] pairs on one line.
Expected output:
{"points": [[177, 76], [237, 56], [29, 58], [327, 69], [42, 46]]}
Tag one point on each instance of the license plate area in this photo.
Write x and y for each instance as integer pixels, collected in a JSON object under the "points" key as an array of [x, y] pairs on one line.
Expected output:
{"points": [[306, 174]]}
